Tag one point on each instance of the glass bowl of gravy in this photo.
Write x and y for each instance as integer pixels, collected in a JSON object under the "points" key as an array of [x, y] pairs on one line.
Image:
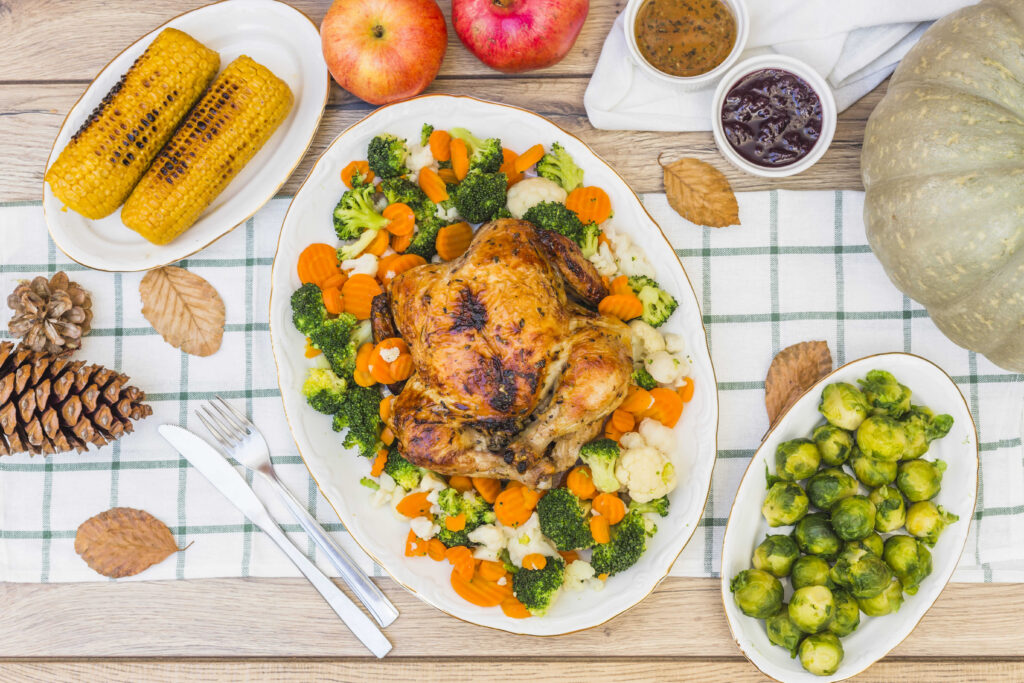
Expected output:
{"points": [[689, 43]]}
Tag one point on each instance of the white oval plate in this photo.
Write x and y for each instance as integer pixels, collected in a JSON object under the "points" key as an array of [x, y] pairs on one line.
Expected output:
{"points": [[746, 528], [337, 473], [275, 35]]}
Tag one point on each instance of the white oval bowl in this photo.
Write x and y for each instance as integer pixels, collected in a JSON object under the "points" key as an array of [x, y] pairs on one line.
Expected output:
{"points": [[275, 35], [746, 528], [337, 472]]}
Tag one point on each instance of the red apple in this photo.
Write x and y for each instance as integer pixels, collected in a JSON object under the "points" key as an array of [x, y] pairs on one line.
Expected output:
{"points": [[519, 35], [384, 50]]}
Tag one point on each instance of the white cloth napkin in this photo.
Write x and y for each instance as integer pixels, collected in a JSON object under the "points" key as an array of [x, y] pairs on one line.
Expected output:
{"points": [[854, 44]]}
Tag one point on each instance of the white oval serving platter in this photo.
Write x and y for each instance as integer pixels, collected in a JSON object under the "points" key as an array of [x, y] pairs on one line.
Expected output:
{"points": [[746, 528], [337, 473], [275, 35]]}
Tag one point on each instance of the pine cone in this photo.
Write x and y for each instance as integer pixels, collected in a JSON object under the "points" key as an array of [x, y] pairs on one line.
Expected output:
{"points": [[49, 404], [50, 315]]}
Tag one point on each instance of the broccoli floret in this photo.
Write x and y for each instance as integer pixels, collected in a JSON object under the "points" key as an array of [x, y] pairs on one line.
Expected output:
{"points": [[407, 192], [480, 195], [600, 456], [555, 217], [425, 134], [360, 414], [386, 155], [404, 473], [627, 544], [355, 213], [354, 249], [484, 155], [453, 503], [658, 304], [658, 506], [339, 339], [324, 390], [424, 240], [537, 588], [370, 484], [308, 310], [643, 379], [503, 212], [564, 521], [588, 239], [558, 166]]}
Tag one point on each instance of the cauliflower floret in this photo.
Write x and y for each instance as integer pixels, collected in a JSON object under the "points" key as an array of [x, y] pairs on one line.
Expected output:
{"points": [[424, 527], [646, 472], [417, 156], [491, 540], [365, 264], [603, 259], [630, 258], [579, 575], [666, 368], [385, 491], [674, 343], [646, 340], [526, 539], [632, 440], [657, 435], [431, 482], [447, 215], [390, 355], [528, 193]]}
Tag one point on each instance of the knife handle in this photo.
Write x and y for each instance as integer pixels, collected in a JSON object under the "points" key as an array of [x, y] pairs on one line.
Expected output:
{"points": [[361, 626]]}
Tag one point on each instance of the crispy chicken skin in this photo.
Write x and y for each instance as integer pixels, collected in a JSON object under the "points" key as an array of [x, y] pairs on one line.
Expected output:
{"points": [[512, 372]]}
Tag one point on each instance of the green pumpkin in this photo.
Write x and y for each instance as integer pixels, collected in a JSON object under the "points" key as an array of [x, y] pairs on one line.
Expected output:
{"points": [[944, 175]]}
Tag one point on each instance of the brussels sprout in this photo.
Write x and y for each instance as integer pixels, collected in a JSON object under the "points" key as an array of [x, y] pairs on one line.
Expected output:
{"points": [[811, 608], [796, 459], [843, 405], [909, 559], [915, 429], [828, 486], [785, 503], [776, 555], [783, 632], [853, 518], [919, 479], [821, 654], [862, 572], [885, 395], [890, 510], [882, 438], [833, 443], [873, 543], [926, 521], [757, 593], [870, 472], [847, 617], [814, 536], [886, 602], [810, 570]]}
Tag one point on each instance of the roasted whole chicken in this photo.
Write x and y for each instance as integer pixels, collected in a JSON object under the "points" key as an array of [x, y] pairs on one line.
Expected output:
{"points": [[514, 367]]}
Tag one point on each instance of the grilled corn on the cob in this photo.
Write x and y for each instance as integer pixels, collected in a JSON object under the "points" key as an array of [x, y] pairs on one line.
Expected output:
{"points": [[236, 116], [108, 155]]}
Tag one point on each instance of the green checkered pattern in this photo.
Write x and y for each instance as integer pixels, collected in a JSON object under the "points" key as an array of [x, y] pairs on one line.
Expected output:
{"points": [[799, 268]]}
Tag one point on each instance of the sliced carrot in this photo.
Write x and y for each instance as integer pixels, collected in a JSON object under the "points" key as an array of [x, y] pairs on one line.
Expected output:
{"points": [[398, 265], [528, 158], [359, 291], [401, 242], [487, 488], [610, 432], [415, 505], [382, 266], [362, 372], [336, 280], [401, 219], [414, 545], [448, 176], [460, 483], [491, 571], [591, 204], [432, 185], [569, 556], [625, 307], [385, 407], [534, 561], [379, 462], [353, 167], [333, 301], [513, 609], [603, 576], [667, 408], [460, 158], [453, 240], [436, 549], [317, 262], [311, 351], [479, 592], [508, 166], [462, 560], [638, 400], [599, 529], [382, 369], [387, 436], [620, 285], [603, 239], [514, 505], [611, 507], [401, 367], [439, 145], [686, 391], [623, 421], [379, 244], [456, 523], [581, 483]]}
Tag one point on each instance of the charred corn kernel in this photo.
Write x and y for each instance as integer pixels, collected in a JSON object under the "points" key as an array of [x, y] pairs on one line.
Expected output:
{"points": [[104, 160], [235, 117]]}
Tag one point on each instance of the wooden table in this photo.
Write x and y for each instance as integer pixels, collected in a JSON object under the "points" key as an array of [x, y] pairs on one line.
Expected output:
{"points": [[230, 629]]}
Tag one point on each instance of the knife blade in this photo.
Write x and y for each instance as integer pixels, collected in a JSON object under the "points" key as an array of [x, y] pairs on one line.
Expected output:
{"points": [[226, 479]]}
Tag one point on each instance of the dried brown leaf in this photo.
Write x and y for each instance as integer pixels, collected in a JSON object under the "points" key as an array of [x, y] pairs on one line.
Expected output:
{"points": [[184, 308], [123, 542], [792, 372], [700, 193]]}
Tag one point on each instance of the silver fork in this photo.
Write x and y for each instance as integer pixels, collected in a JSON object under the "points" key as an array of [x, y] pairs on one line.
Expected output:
{"points": [[240, 438]]}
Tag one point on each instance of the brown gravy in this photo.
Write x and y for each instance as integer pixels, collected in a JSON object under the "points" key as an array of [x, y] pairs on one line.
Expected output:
{"points": [[685, 37]]}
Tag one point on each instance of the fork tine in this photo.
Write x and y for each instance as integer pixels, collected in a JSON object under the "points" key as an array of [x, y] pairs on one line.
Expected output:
{"points": [[239, 429], [213, 430], [229, 430], [238, 413]]}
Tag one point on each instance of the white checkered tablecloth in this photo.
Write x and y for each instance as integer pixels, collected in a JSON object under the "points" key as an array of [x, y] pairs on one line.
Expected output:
{"points": [[799, 268]]}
